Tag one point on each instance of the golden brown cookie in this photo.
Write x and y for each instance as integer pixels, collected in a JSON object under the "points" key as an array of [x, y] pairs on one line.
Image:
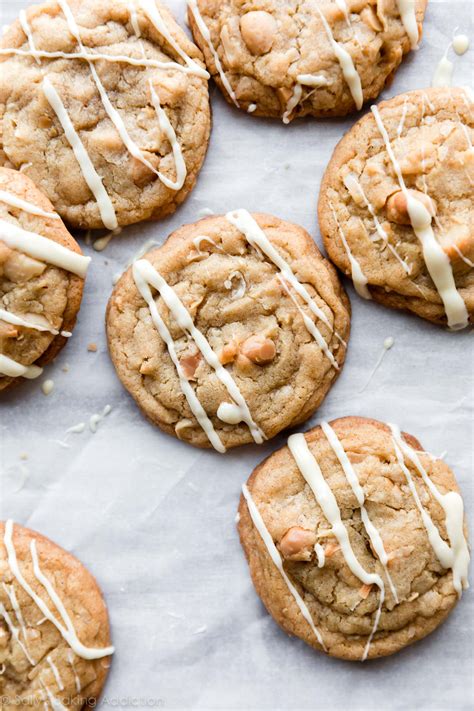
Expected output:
{"points": [[299, 58], [54, 628], [104, 103], [247, 338], [396, 206], [42, 273], [355, 538]]}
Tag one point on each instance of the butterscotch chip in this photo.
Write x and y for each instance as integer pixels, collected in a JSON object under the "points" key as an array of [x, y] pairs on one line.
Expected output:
{"points": [[34, 654], [254, 325], [363, 206], [411, 587], [31, 289], [279, 59], [120, 100]]}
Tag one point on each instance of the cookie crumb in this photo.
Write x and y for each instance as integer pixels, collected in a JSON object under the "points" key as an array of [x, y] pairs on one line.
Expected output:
{"points": [[92, 347]]}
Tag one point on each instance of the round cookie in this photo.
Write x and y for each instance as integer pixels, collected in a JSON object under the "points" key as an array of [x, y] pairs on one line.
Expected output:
{"points": [[116, 135], [42, 273], [54, 628], [396, 206], [299, 58], [248, 340], [338, 550]]}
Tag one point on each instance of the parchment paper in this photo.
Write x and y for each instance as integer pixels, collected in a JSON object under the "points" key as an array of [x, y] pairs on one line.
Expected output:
{"points": [[153, 518]]}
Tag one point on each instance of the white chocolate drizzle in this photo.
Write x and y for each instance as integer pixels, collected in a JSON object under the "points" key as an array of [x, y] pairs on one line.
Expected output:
{"points": [[92, 178], [351, 476], [349, 71], [358, 276], [142, 268], [255, 236], [193, 401], [443, 75], [407, 11], [65, 627], [113, 114], [204, 30], [313, 80], [454, 556], [56, 674], [351, 183], [311, 472], [264, 534], [42, 248], [460, 44], [77, 681], [134, 18], [292, 103], [437, 262], [403, 117], [12, 369], [320, 555], [27, 30], [387, 345], [14, 201]]}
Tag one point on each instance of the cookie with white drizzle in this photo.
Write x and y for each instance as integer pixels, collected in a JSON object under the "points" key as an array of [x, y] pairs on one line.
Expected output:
{"points": [[42, 272], [105, 104], [54, 628], [355, 538], [311, 57], [396, 206], [233, 330]]}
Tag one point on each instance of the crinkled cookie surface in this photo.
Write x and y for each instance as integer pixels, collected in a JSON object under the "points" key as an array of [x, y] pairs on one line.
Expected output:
{"points": [[342, 607], [237, 301], [267, 49]]}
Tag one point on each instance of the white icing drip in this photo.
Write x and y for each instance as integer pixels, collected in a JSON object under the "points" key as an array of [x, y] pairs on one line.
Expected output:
{"points": [[134, 18], [462, 256], [42, 248], [353, 479], [113, 58], [455, 555], [67, 629], [48, 387], [320, 554], [346, 62], [255, 236], [403, 117], [77, 681], [27, 30], [251, 108], [198, 411], [342, 5], [407, 11], [204, 30], [444, 72], [312, 474], [56, 705], [146, 271], [237, 290], [230, 413], [12, 369], [97, 418], [56, 673], [358, 276], [197, 241], [10, 591], [264, 534], [292, 103], [14, 201], [77, 429], [314, 80], [387, 345], [15, 633], [311, 326], [351, 182], [460, 44], [8, 317], [169, 132], [150, 9], [92, 178], [437, 262]]}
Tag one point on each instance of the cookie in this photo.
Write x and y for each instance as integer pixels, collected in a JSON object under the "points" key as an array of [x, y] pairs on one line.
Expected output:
{"points": [[42, 273], [396, 206], [104, 103], [355, 538], [300, 58], [54, 629], [247, 338]]}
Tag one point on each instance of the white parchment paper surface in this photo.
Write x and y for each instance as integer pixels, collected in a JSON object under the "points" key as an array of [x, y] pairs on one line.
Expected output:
{"points": [[154, 518]]}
